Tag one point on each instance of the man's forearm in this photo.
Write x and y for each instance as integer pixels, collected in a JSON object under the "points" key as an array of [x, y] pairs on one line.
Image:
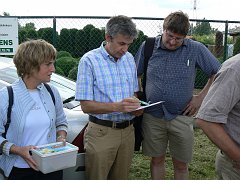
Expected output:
{"points": [[220, 138], [98, 107], [126, 105]]}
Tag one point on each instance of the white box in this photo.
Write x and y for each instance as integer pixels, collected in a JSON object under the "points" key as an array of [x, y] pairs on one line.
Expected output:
{"points": [[55, 156]]}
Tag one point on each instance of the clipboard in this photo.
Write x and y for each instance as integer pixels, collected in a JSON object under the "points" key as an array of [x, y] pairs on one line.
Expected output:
{"points": [[146, 106]]}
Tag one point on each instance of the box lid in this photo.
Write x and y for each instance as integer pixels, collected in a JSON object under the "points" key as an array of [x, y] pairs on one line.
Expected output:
{"points": [[54, 149]]}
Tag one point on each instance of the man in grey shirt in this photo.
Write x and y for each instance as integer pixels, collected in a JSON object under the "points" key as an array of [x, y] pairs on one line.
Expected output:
{"points": [[219, 118]]}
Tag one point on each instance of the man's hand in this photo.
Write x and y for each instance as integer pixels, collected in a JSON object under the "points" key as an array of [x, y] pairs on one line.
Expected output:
{"points": [[129, 104], [193, 106]]}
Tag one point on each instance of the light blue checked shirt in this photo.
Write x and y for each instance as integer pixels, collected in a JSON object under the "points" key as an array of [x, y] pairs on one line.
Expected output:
{"points": [[100, 78]]}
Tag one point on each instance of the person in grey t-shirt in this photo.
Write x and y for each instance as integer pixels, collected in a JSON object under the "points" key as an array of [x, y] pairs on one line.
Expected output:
{"points": [[219, 118]]}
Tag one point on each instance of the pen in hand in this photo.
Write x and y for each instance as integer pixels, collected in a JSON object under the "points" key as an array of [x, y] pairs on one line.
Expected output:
{"points": [[145, 103]]}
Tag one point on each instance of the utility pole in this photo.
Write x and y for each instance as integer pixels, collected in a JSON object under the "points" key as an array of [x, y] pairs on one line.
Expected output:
{"points": [[194, 15], [195, 9]]}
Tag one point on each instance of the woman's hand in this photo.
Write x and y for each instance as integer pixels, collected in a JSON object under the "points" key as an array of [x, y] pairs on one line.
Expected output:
{"points": [[62, 139], [61, 136], [24, 153]]}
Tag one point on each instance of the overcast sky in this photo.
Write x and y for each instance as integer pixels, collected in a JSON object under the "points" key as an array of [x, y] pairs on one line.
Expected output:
{"points": [[208, 9]]}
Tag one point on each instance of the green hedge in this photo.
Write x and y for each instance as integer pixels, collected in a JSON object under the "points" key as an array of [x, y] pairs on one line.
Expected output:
{"points": [[73, 73], [66, 64], [63, 54]]}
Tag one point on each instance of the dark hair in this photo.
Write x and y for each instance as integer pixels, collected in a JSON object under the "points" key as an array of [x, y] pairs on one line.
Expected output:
{"points": [[177, 22], [121, 25]]}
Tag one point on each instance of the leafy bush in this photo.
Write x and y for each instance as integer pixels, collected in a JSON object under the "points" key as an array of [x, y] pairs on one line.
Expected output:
{"points": [[205, 39], [63, 54], [73, 73], [58, 70], [66, 64]]}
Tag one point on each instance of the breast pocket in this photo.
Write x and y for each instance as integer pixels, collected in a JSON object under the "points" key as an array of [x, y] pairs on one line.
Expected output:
{"points": [[185, 69]]}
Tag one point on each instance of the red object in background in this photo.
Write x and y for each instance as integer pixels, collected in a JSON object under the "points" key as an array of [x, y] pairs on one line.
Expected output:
{"points": [[78, 141]]}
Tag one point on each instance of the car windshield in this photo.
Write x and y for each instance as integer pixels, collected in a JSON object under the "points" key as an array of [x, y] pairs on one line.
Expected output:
{"points": [[65, 86]]}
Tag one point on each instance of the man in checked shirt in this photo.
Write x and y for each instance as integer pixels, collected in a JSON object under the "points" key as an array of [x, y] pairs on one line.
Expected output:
{"points": [[106, 87]]}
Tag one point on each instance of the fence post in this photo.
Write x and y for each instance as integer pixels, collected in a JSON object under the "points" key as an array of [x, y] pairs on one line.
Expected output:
{"points": [[225, 41], [54, 32]]}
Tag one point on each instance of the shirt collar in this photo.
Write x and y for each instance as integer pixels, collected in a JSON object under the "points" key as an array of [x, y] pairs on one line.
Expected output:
{"points": [[39, 87], [106, 55]]}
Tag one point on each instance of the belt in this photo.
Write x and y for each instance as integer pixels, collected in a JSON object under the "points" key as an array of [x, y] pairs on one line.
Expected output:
{"points": [[117, 125]]}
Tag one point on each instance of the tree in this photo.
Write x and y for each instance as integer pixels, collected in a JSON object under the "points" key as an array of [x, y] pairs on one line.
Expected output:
{"points": [[137, 42], [202, 28], [235, 29], [81, 38], [27, 32], [22, 35], [72, 41], [46, 34], [28, 27], [6, 14], [64, 40], [96, 38], [32, 34], [87, 29]]}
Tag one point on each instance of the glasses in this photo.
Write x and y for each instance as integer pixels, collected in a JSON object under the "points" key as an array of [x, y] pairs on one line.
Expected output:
{"points": [[171, 37]]}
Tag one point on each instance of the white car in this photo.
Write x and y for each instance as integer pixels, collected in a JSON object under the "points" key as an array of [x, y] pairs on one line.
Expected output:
{"points": [[76, 118]]}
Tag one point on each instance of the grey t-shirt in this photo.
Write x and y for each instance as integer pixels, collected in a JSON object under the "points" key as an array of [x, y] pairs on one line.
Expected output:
{"points": [[222, 103]]}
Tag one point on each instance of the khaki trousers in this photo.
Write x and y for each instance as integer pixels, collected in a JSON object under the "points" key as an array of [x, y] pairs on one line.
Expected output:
{"points": [[109, 152]]}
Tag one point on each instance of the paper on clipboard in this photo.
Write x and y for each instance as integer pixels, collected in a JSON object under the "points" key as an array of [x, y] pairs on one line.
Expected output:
{"points": [[153, 104]]}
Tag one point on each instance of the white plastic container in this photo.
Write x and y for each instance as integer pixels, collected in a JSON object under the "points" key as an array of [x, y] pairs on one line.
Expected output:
{"points": [[55, 156]]}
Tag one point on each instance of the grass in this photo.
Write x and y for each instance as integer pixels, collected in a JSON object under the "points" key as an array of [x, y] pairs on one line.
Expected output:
{"points": [[201, 167]]}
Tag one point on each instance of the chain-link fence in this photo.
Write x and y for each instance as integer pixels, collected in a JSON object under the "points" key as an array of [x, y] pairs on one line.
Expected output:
{"points": [[75, 35]]}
